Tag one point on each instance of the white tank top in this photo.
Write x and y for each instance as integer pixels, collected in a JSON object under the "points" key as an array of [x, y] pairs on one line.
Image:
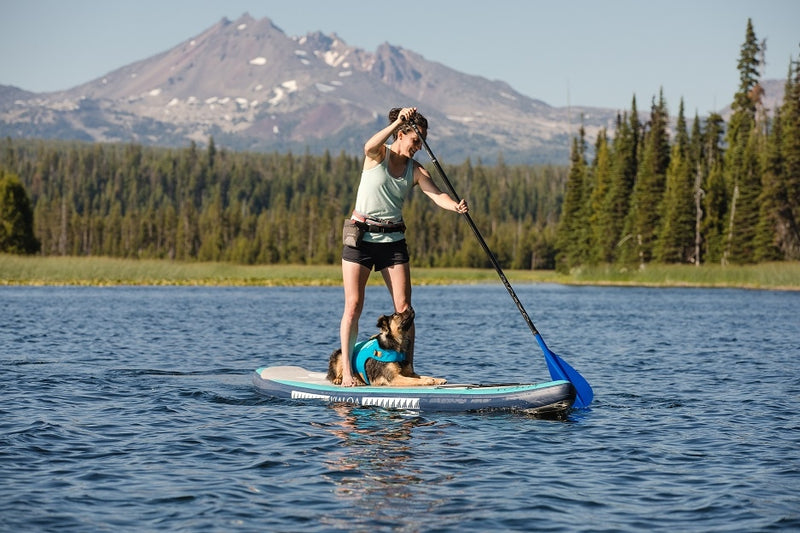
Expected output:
{"points": [[381, 196]]}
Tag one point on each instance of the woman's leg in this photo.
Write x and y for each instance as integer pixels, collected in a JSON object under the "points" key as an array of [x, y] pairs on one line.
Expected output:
{"points": [[354, 278], [398, 281]]}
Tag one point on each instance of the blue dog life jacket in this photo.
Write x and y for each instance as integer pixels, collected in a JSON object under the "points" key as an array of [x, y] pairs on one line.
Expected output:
{"points": [[370, 349]]}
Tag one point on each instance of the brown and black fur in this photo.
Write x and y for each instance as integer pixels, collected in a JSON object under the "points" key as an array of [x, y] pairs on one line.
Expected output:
{"points": [[393, 335]]}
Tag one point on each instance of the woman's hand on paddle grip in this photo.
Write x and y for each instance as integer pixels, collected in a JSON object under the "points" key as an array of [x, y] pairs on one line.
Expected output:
{"points": [[407, 114]]}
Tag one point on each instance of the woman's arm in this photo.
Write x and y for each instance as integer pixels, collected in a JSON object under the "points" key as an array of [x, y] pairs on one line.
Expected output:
{"points": [[442, 199], [375, 147]]}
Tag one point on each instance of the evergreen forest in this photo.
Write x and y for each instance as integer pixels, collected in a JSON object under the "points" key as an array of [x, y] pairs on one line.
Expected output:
{"points": [[655, 190], [213, 205], [714, 193]]}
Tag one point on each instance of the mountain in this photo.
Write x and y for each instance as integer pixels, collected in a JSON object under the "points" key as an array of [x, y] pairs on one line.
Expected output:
{"points": [[252, 87]]}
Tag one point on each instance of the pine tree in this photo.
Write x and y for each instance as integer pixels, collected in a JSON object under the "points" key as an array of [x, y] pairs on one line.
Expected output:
{"points": [[644, 217], [714, 191], [623, 176], [743, 222], [572, 227], [676, 238], [602, 241], [788, 227], [773, 197], [742, 174], [16, 217], [698, 170]]}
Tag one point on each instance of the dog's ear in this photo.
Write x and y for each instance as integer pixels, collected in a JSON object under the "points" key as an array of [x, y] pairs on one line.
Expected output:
{"points": [[383, 322]]}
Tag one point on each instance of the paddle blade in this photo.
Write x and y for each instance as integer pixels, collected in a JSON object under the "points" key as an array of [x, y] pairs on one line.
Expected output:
{"points": [[560, 369]]}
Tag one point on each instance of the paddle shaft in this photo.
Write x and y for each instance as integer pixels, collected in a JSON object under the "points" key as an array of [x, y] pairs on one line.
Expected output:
{"points": [[477, 233], [559, 369]]}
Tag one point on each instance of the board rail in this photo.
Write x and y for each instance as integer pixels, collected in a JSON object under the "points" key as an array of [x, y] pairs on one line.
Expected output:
{"points": [[551, 398]]}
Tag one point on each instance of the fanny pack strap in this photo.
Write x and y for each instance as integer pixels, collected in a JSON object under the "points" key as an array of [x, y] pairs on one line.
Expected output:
{"points": [[374, 225]]}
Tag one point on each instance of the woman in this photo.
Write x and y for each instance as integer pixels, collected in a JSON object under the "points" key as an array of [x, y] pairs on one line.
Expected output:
{"points": [[388, 175]]}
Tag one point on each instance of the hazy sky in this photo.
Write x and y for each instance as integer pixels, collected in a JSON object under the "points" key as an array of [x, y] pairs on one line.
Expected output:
{"points": [[574, 52]]}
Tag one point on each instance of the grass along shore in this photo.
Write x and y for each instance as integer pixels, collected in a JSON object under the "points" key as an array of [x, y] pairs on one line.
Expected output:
{"points": [[105, 271]]}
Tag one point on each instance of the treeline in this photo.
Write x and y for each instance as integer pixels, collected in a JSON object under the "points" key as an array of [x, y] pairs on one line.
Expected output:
{"points": [[214, 205], [712, 194]]}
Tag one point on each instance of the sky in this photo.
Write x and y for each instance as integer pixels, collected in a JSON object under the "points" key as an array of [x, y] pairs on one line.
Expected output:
{"points": [[570, 53]]}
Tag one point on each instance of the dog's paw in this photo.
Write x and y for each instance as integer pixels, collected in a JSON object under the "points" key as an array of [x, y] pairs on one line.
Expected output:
{"points": [[429, 381]]}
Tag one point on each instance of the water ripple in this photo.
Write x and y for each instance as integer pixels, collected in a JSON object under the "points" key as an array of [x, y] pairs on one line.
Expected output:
{"points": [[132, 409]]}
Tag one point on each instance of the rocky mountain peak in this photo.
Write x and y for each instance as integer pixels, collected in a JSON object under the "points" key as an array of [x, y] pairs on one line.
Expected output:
{"points": [[252, 87]]}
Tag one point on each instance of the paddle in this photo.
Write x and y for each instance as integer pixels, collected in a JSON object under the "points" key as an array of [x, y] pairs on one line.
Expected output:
{"points": [[559, 369]]}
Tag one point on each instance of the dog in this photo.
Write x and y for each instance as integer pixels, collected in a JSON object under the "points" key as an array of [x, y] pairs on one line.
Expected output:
{"points": [[381, 361]]}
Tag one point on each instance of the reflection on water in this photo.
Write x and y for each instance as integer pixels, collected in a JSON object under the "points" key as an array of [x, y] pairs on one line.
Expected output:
{"points": [[374, 440], [374, 471]]}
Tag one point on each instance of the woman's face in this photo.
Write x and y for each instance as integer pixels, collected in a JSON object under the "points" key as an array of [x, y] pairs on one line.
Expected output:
{"points": [[410, 140]]}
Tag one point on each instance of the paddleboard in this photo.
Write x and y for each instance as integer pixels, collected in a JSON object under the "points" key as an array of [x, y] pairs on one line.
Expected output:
{"points": [[551, 398]]}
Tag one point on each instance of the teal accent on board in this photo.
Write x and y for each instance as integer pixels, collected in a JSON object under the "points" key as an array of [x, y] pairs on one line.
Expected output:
{"points": [[434, 390]]}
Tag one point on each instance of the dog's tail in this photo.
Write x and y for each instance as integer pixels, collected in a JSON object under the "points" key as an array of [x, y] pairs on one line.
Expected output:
{"points": [[333, 367]]}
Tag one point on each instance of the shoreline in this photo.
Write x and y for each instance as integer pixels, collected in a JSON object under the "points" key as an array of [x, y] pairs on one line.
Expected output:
{"points": [[105, 271]]}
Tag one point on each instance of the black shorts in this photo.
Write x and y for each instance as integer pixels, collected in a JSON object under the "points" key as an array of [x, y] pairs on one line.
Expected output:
{"points": [[377, 254]]}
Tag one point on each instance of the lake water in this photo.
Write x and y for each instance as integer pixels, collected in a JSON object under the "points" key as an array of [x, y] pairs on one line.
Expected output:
{"points": [[132, 409]]}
